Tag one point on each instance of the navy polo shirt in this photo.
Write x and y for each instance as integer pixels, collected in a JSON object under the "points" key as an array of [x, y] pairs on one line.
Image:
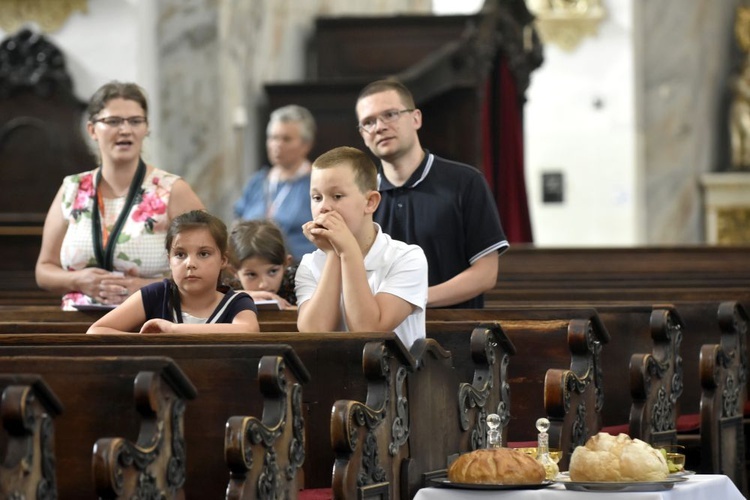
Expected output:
{"points": [[446, 208]]}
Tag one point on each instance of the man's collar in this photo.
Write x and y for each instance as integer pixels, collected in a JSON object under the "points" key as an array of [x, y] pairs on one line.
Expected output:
{"points": [[416, 177]]}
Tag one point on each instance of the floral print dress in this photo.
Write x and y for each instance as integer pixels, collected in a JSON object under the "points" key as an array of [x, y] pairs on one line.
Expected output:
{"points": [[140, 246]]}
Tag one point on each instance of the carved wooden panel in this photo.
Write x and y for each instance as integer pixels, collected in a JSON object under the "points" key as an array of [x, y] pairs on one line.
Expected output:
{"points": [[41, 137]]}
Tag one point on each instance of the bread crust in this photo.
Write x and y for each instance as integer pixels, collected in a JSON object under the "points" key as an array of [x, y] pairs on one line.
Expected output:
{"points": [[617, 459], [496, 466]]}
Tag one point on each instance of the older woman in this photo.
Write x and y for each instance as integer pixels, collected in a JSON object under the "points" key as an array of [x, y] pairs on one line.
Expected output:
{"points": [[104, 234], [281, 192]]}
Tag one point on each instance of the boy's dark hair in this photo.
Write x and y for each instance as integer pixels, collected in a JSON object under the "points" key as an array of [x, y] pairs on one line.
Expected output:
{"points": [[365, 171]]}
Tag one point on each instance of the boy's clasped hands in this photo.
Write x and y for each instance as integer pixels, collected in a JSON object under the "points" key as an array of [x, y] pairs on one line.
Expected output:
{"points": [[329, 232]]}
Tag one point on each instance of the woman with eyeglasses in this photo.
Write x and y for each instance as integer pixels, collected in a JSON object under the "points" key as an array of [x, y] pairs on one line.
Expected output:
{"points": [[104, 233]]}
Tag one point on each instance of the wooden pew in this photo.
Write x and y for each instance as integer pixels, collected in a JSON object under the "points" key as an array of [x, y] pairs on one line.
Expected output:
{"points": [[555, 372], [27, 412], [644, 267], [322, 348], [723, 376], [264, 454], [624, 327], [43, 327], [222, 366], [628, 343], [53, 314], [695, 324], [459, 346], [98, 394], [387, 446], [372, 435], [692, 325], [548, 337], [454, 395], [222, 372], [38, 314]]}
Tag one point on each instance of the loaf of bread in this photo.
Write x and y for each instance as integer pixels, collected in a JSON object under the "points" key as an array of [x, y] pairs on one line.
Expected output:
{"points": [[496, 466], [617, 458]]}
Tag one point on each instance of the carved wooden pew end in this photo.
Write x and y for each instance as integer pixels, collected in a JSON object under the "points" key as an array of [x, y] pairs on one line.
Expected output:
{"points": [[265, 455], [656, 381], [723, 373], [27, 411], [123, 469], [364, 436]]}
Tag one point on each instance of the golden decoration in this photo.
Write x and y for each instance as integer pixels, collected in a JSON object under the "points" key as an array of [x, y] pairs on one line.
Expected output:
{"points": [[742, 28], [566, 22], [49, 15], [733, 226]]}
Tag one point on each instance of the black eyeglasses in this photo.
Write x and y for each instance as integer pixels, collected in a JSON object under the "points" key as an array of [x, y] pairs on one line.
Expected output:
{"points": [[118, 121], [369, 124]]}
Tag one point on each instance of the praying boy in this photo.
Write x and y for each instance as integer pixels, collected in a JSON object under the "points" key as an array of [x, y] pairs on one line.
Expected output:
{"points": [[358, 279]]}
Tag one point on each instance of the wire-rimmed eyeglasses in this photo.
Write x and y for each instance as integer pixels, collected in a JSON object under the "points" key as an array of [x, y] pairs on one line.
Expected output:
{"points": [[118, 121], [389, 116]]}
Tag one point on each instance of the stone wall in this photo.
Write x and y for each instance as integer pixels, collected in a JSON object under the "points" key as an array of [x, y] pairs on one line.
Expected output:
{"points": [[214, 57]]}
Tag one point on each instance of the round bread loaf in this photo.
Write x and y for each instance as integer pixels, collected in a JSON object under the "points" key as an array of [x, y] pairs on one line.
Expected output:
{"points": [[496, 466], [617, 458]]}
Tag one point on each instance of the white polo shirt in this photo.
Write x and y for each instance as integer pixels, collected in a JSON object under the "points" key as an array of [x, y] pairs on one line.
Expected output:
{"points": [[393, 267]]}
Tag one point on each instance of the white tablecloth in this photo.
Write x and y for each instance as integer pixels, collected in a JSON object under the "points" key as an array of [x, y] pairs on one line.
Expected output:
{"points": [[697, 487]]}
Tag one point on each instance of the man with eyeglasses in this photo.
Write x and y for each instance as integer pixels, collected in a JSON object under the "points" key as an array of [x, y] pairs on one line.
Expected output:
{"points": [[441, 205]]}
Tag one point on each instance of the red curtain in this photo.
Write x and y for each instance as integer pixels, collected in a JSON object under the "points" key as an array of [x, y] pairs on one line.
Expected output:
{"points": [[502, 152]]}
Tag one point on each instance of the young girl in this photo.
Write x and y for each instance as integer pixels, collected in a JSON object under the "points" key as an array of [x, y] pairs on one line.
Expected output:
{"points": [[189, 302], [262, 263]]}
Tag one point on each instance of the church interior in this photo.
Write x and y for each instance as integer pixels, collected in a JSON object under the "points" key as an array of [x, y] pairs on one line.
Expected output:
{"points": [[614, 136]]}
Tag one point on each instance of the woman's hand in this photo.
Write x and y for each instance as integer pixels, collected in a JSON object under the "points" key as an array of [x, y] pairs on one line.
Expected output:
{"points": [[158, 326], [116, 287], [89, 282]]}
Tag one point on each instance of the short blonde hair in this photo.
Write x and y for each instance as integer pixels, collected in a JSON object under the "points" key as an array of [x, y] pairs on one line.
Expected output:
{"points": [[365, 171]]}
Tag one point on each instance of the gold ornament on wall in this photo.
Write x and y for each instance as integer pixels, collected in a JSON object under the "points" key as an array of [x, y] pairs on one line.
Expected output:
{"points": [[49, 15], [739, 109], [742, 28], [734, 226], [566, 22]]}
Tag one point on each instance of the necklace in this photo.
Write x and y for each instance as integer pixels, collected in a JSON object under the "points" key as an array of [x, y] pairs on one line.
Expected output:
{"points": [[104, 240]]}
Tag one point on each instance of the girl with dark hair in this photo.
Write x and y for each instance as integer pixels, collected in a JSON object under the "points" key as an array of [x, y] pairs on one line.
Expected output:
{"points": [[262, 263], [191, 301]]}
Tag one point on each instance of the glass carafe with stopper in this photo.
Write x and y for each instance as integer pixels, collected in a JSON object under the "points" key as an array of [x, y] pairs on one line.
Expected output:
{"points": [[542, 450], [494, 437]]}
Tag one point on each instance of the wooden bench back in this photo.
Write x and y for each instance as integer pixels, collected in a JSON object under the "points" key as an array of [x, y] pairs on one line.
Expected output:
{"points": [[723, 374], [224, 374], [27, 413], [265, 455], [568, 351], [223, 367], [141, 399]]}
